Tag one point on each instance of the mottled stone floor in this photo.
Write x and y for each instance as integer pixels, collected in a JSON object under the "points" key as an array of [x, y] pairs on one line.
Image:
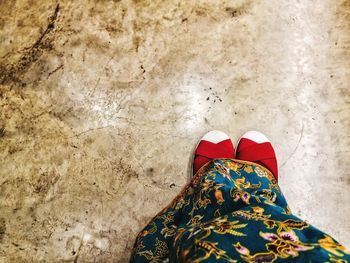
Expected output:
{"points": [[102, 102]]}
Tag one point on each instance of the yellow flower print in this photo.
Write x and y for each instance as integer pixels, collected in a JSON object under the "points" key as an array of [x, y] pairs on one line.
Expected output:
{"points": [[202, 203], [195, 220], [161, 248], [285, 225], [241, 183], [233, 166], [328, 244], [337, 260], [258, 210], [223, 226], [167, 218], [160, 252], [248, 169], [139, 245], [207, 185], [169, 231], [210, 249]]}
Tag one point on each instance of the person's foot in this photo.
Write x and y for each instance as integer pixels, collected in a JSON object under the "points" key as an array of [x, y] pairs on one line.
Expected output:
{"points": [[213, 145], [255, 147]]}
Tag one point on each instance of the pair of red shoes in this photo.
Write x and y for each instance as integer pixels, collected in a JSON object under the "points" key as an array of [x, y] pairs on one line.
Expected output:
{"points": [[253, 147]]}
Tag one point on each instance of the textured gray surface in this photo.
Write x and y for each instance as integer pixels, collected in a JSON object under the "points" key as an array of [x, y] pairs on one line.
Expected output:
{"points": [[102, 103]]}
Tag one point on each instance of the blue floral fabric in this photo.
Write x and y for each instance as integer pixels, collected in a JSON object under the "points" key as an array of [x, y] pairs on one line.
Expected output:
{"points": [[233, 211]]}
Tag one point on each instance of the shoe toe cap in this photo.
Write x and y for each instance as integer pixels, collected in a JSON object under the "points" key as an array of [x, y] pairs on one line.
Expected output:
{"points": [[255, 136], [215, 136]]}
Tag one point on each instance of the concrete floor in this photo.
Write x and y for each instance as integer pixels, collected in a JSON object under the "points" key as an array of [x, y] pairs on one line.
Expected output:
{"points": [[102, 102]]}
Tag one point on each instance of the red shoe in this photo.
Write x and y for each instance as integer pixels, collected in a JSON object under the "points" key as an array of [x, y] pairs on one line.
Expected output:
{"points": [[213, 145], [255, 147]]}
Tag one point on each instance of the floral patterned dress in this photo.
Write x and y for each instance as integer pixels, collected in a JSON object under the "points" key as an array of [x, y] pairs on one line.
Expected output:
{"points": [[233, 211]]}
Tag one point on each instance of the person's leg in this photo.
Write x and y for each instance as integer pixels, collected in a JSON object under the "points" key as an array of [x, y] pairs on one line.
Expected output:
{"points": [[154, 241], [233, 211]]}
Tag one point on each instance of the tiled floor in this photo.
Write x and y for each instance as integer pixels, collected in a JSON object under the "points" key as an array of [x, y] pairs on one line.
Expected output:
{"points": [[102, 103]]}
